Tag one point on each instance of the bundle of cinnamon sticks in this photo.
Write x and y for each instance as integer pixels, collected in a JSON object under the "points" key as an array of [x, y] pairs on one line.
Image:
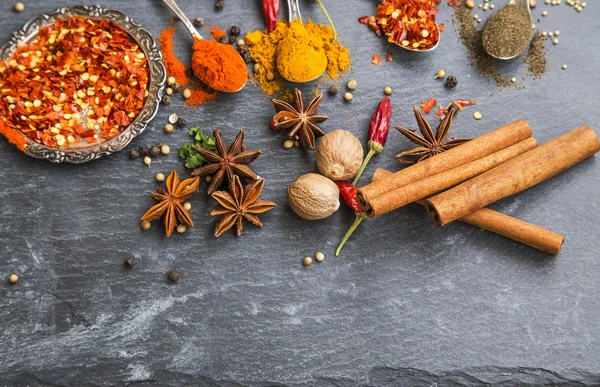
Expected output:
{"points": [[459, 183]]}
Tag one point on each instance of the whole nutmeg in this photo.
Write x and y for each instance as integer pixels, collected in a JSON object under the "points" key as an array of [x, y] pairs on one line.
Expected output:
{"points": [[313, 196], [339, 155]]}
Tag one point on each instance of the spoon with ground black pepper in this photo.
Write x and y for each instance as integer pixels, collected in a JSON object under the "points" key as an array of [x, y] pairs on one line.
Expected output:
{"points": [[218, 65], [507, 32]]}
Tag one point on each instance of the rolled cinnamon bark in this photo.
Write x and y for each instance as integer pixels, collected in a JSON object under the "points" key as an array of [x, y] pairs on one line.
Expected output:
{"points": [[470, 151], [515, 175], [505, 225], [436, 183]]}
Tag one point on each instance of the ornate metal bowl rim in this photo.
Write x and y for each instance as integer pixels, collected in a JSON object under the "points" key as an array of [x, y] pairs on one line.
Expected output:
{"points": [[145, 41]]}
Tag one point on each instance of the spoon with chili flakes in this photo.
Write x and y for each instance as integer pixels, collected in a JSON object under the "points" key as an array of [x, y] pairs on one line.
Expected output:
{"points": [[216, 64]]}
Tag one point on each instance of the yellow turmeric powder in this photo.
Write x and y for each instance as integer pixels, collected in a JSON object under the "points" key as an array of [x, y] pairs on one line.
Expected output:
{"points": [[264, 48], [300, 55]]}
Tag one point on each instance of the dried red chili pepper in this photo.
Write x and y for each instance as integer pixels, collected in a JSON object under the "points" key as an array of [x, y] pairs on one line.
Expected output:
{"points": [[426, 106], [271, 12], [348, 192], [379, 128]]}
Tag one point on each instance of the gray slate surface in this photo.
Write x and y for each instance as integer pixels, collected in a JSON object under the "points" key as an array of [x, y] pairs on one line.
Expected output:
{"points": [[407, 303]]}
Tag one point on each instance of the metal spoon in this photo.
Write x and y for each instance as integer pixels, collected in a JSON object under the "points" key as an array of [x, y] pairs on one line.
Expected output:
{"points": [[195, 34], [409, 48], [519, 3], [294, 10]]}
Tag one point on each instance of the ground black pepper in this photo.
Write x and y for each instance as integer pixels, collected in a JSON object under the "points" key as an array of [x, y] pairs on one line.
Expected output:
{"points": [[536, 59], [507, 32]]}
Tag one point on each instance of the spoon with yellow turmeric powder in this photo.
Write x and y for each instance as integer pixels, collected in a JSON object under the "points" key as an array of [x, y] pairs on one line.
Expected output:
{"points": [[218, 65], [298, 60]]}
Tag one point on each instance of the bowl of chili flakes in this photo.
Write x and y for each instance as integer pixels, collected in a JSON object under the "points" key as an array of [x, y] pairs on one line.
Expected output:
{"points": [[78, 83]]}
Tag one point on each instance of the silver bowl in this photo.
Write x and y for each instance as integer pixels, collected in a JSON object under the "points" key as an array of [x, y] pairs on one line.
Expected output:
{"points": [[157, 78]]}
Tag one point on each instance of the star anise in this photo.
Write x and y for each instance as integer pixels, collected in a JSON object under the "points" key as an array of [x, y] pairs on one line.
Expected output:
{"points": [[301, 121], [430, 144], [239, 203], [226, 163], [170, 202]]}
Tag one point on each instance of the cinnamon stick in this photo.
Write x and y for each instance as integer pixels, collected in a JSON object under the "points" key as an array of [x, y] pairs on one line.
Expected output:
{"points": [[515, 175], [505, 225], [436, 183], [470, 151]]}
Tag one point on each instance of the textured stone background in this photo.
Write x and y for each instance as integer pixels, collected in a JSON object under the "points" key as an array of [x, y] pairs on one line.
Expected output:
{"points": [[407, 303]]}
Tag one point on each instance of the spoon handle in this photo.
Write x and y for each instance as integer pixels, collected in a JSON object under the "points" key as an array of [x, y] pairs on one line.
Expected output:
{"points": [[294, 10], [186, 22]]}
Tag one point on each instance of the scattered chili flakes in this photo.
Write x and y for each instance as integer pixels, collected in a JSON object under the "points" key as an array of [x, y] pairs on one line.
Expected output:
{"points": [[408, 23], [441, 27], [426, 106], [461, 103], [452, 3], [363, 19], [78, 81], [376, 59], [388, 57]]}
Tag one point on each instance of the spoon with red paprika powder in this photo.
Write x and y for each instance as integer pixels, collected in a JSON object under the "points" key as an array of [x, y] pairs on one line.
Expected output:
{"points": [[218, 65]]}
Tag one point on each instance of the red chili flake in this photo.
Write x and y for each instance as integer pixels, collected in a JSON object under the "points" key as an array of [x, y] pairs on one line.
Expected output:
{"points": [[78, 80], [388, 57], [452, 3], [363, 19], [376, 60], [426, 106], [441, 27]]}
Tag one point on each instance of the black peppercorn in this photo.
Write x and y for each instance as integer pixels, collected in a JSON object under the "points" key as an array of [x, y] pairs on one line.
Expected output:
{"points": [[219, 5], [198, 22], [176, 87], [166, 99], [134, 154], [243, 51], [155, 151], [247, 58], [235, 30], [451, 81], [181, 122], [232, 39], [173, 275], [224, 39], [333, 90], [144, 150], [128, 263]]}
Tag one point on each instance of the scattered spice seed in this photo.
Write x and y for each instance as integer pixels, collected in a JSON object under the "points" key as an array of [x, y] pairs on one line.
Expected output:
{"points": [[173, 275], [224, 39], [187, 206], [387, 91], [166, 99], [129, 263], [169, 91], [176, 87], [376, 59], [320, 256], [256, 67], [555, 41], [171, 81], [147, 161], [165, 149], [19, 7], [388, 57], [187, 93], [477, 115], [241, 42], [155, 151], [296, 143], [144, 150], [146, 225], [219, 5], [173, 118], [208, 179], [451, 81], [13, 278], [169, 128], [536, 61], [333, 90], [181, 228], [134, 154], [198, 22], [307, 261], [181, 122], [564, 67], [441, 74], [270, 76], [287, 144], [545, 13], [235, 30], [513, 79], [556, 32], [351, 84], [532, 3], [159, 177], [348, 97], [232, 39]]}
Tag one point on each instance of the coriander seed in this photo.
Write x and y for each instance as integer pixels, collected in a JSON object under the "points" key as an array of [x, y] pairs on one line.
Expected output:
{"points": [[173, 118], [288, 144], [555, 41], [169, 91], [146, 225], [296, 143], [333, 90], [198, 22], [159, 177], [128, 263], [545, 13], [187, 93], [13, 278], [187, 206], [470, 3], [387, 90], [165, 149], [18, 7], [544, 34], [256, 68], [270, 76], [171, 81], [477, 115], [564, 67], [557, 32], [173, 275], [351, 84], [181, 228], [169, 128], [348, 97], [307, 261], [550, 33], [147, 161], [513, 79], [134, 154], [441, 74], [320, 256], [532, 3]]}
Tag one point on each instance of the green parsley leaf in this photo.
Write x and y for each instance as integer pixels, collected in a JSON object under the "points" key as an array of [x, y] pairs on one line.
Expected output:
{"points": [[192, 158]]}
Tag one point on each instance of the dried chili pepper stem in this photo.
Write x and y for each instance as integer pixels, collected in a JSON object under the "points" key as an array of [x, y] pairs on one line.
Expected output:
{"points": [[359, 218], [348, 192], [320, 3]]}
